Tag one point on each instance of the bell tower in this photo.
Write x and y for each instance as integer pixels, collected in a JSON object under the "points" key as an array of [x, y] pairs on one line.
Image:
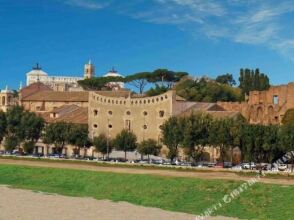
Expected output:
{"points": [[89, 70]]}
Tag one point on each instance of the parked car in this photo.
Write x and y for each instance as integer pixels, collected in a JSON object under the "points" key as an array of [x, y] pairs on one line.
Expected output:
{"points": [[282, 167], [228, 165], [248, 166], [121, 160]]}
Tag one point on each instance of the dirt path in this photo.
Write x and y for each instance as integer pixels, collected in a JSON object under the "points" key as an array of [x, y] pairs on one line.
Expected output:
{"points": [[16, 204], [172, 173]]}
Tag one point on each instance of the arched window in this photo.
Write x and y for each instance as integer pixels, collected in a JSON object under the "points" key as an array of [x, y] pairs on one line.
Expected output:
{"points": [[95, 112], [3, 100], [128, 113], [110, 112], [161, 114], [145, 113]]}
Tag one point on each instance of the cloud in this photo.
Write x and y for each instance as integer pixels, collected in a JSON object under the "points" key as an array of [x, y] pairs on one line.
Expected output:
{"points": [[87, 4], [248, 22], [262, 22]]}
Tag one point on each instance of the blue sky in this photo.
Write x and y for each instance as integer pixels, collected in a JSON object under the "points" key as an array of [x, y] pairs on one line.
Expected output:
{"points": [[202, 37]]}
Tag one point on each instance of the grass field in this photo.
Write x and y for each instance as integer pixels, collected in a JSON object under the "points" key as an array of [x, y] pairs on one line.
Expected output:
{"points": [[262, 201]]}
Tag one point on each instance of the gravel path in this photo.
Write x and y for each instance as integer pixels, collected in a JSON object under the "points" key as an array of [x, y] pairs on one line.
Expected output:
{"points": [[173, 173], [17, 204]]}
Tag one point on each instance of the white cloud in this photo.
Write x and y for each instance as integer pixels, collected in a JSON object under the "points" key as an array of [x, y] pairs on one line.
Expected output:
{"points": [[258, 22], [87, 4], [250, 22]]}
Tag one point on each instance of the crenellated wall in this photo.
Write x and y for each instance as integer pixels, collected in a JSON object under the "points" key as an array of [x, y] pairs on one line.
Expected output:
{"points": [[143, 116]]}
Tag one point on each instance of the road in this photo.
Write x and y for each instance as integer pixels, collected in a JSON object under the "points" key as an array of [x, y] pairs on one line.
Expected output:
{"points": [[159, 172]]}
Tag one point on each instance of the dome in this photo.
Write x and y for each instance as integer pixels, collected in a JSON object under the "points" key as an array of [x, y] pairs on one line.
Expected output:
{"points": [[37, 71], [112, 73]]}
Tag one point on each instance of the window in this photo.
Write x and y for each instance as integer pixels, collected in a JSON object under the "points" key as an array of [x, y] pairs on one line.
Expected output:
{"points": [[110, 112], [276, 100], [128, 124], [145, 113], [161, 114], [95, 126], [110, 126], [128, 113], [95, 112], [145, 127]]}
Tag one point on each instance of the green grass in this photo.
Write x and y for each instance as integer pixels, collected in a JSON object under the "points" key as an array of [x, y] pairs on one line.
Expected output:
{"points": [[262, 201]]}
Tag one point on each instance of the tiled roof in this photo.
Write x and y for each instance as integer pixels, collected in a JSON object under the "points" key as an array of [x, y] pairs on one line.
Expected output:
{"points": [[67, 113], [56, 96], [33, 88]]}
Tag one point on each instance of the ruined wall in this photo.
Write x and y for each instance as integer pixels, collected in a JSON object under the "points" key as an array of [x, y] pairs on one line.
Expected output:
{"points": [[265, 107]]}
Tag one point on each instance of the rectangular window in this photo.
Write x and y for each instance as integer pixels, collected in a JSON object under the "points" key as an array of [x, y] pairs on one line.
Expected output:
{"points": [[276, 100], [128, 125]]}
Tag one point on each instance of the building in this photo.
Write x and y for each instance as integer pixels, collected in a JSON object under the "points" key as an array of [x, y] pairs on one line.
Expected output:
{"points": [[59, 83], [111, 112], [265, 107], [7, 99], [38, 97], [114, 85]]}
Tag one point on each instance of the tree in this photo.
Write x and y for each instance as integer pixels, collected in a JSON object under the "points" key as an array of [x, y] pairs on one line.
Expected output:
{"points": [[32, 126], [197, 128], [57, 134], [286, 139], [125, 141], [10, 143], [102, 145], [29, 146], [221, 135], [172, 136], [252, 80], [226, 79], [207, 91], [14, 129], [165, 77], [3, 125], [98, 83], [138, 80], [288, 117], [77, 135], [149, 147], [157, 90]]}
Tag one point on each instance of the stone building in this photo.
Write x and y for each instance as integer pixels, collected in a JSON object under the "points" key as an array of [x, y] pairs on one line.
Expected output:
{"points": [[6, 99], [111, 112], [59, 83], [265, 107], [38, 97]]}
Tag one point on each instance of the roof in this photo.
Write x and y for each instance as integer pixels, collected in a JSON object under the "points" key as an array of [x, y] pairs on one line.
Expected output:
{"points": [[57, 96], [184, 108], [33, 88], [224, 114], [67, 113]]}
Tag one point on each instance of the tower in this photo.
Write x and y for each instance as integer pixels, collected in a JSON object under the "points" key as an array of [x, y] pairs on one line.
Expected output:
{"points": [[89, 71]]}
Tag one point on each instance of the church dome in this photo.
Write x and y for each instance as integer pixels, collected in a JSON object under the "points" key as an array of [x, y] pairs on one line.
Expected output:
{"points": [[113, 73], [37, 71]]}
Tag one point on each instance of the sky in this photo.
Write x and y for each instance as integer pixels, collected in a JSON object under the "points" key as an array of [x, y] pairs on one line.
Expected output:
{"points": [[202, 37]]}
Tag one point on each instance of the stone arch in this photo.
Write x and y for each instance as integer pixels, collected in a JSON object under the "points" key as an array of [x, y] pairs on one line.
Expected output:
{"points": [[3, 100], [259, 114], [252, 114], [271, 114]]}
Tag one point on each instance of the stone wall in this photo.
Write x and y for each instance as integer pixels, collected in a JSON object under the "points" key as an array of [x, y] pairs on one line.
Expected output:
{"points": [[143, 116]]}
